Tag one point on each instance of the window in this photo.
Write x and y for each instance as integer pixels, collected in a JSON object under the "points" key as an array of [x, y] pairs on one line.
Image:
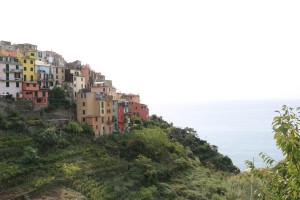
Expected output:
{"points": [[31, 78], [81, 85], [31, 61], [17, 67], [83, 112], [83, 103], [17, 84], [96, 126], [24, 77], [74, 78], [36, 94], [32, 54], [44, 93], [102, 120], [7, 67], [7, 84], [7, 76], [24, 60], [83, 119], [56, 76], [31, 69], [34, 85], [27, 84], [24, 68], [96, 119], [81, 79], [56, 70], [39, 100]]}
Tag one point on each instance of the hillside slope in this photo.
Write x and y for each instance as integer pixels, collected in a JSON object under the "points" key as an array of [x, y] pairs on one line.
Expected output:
{"points": [[154, 160]]}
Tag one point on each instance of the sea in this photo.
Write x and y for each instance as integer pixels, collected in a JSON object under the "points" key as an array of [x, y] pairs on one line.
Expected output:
{"points": [[240, 129]]}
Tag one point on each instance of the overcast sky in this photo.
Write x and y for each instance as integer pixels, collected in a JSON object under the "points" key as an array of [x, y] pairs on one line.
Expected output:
{"points": [[171, 51]]}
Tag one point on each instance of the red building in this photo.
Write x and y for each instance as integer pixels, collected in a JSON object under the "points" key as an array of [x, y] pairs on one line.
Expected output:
{"points": [[32, 92], [139, 110], [123, 116]]}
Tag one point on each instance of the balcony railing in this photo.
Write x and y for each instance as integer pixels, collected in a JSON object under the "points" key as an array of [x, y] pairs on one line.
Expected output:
{"points": [[12, 70], [11, 80], [13, 61]]}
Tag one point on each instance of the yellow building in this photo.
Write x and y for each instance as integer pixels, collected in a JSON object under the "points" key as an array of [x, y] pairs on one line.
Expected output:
{"points": [[27, 60], [95, 109]]}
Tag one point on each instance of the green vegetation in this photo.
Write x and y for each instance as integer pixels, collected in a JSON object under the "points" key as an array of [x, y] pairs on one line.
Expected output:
{"points": [[155, 160], [282, 181], [58, 99]]}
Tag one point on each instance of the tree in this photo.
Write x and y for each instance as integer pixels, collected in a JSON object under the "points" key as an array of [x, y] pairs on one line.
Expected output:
{"points": [[283, 180], [48, 137], [57, 97]]}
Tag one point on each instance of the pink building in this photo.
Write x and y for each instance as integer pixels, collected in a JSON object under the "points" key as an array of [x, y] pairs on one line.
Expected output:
{"points": [[32, 92]]}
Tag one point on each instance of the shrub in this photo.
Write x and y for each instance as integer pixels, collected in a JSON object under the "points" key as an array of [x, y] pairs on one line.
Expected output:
{"points": [[74, 128], [30, 155]]}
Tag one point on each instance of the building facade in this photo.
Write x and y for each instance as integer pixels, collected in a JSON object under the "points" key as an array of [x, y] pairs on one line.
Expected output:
{"points": [[44, 73], [27, 60], [32, 92], [10, 76], [139, 110], [123, 116], [85, 71], [95, 109]]}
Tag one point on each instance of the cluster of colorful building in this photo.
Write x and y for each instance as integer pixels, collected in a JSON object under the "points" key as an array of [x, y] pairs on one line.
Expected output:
{"points": [[27, 74]]}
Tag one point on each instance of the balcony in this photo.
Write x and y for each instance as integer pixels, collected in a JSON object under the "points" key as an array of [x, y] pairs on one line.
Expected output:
{"points": [[45, 79], [11, 80], [12, 70], [11, 61]]}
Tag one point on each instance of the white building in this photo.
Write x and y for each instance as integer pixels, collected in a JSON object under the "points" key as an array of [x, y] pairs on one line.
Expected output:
{"points": [[10, 76], [78, 81]]}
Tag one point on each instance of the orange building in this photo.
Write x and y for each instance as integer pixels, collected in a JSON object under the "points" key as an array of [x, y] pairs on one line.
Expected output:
{"points": [[95, 109]]}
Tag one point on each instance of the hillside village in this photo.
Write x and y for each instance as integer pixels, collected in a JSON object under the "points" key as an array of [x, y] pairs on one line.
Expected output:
{"points": [[28, 74]]}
